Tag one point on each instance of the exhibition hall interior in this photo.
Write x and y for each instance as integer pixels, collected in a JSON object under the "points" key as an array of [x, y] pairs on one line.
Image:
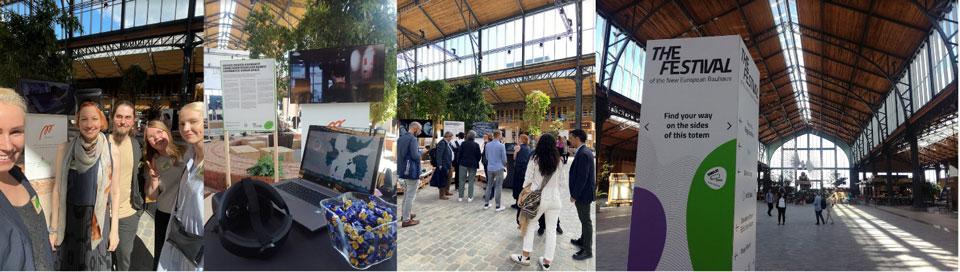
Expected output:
{"points": [[479, 135]]}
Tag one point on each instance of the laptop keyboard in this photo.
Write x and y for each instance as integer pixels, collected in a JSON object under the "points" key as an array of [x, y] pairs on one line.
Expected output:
{"points": [[302, 192]]}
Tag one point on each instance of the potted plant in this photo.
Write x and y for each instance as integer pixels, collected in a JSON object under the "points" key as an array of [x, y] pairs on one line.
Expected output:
{"points": [[263, 170]]}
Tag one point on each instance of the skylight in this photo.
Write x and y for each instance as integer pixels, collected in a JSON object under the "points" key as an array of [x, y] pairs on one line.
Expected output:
{"points": [[228, 9], [785, 16]]}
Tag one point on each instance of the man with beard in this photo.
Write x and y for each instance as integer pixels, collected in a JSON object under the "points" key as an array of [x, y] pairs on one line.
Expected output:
{"points": [[124, 141]]}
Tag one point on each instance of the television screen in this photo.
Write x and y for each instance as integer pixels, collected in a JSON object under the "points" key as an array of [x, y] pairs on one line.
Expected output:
{"points": [[47, 97], [427, 126], [337, 75]]}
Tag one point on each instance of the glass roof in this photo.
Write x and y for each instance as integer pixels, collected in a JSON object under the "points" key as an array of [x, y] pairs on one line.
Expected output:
{"points": [[787, 21]]}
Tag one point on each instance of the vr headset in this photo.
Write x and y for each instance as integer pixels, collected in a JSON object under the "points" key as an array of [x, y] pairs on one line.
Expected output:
{"points": [[253, 221]]}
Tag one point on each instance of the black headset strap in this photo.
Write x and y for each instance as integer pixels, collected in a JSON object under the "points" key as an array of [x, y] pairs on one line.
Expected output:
{"points": [[253, 206]]}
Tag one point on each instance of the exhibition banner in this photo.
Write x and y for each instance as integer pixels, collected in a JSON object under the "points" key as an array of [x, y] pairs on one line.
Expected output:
{"points": [[454, 126], [694, 198], [44, 134], [249, 94]]}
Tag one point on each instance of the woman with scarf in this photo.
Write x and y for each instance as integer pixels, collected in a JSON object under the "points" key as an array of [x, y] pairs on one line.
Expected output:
{"points": [[23, 227], [83, 222]]}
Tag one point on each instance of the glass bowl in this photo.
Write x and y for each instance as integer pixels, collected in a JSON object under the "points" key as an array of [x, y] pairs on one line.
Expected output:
{"points": [[362, 227]]}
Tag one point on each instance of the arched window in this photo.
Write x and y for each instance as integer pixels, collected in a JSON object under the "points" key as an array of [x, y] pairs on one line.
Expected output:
{"points": [[819, 159]]}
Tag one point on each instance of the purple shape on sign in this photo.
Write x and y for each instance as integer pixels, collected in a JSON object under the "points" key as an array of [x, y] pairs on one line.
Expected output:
{"points": [[648, 231]]}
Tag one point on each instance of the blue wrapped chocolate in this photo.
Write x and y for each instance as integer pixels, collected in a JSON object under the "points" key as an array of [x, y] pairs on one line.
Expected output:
{"points": [[363, 228]]}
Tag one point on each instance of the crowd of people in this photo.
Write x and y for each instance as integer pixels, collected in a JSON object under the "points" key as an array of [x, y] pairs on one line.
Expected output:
{"points": [[96, 201], [536, 169]]}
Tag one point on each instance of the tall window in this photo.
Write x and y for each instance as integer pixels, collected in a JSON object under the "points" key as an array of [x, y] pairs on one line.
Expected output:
{"points": [[822, 161]]}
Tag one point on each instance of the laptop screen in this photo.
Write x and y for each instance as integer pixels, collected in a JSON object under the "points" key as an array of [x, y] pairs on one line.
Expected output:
{"points": [[340, 159]]}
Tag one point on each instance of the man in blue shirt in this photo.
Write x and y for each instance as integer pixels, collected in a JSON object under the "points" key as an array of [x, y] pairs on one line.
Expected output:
{"points": [[496, 155], [408, 167]]}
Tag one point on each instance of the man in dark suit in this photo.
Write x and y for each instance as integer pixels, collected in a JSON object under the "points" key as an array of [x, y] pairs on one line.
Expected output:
{"points": [[582, 180]]}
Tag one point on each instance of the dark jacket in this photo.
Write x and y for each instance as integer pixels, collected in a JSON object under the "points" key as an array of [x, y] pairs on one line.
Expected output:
{"points": [[444, 154], [520, 168], [136, 196], [16, 247], [408, 157], [469, 154], [583, 176]]}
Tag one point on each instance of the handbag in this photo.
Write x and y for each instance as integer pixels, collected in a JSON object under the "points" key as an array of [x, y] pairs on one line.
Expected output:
{"points": [[530, 203], [191, 245]]}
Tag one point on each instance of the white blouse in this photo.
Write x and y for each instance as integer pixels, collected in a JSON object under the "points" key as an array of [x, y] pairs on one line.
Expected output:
{"points": [[189, 211], [556, 190]]}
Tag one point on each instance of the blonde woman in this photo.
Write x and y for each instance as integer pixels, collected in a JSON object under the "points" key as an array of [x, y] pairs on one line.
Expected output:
{"points": [[165, 168], [84, 225], [184, 241], [23, 229]]}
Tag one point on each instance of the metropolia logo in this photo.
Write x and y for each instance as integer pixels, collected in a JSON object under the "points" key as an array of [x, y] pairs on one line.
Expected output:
{"points": [[46, 130]]}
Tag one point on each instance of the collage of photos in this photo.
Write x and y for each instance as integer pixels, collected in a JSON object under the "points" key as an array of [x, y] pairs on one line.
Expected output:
{"points": [[478, 135]]}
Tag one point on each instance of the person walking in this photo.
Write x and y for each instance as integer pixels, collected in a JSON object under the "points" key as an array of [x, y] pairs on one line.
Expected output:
{"points": [[828, 205], [164, 171], [408, 164], [441, 174], [818, 204], [24, 237], [85, 197], [781, 209], [582, 181], [496, 155], [543, 173], [469, 157], [123, 139], [769, 199], [456, 160]]}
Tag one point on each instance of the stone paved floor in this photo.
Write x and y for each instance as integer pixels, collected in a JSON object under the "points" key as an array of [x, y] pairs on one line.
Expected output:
{"points": [[142, 255], [862, 238], [613, 238], [463, 236]]}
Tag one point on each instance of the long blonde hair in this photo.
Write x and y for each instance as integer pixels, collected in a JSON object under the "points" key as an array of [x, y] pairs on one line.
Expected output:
{"points": [[9, 96], [195, 106], [173, 151]]}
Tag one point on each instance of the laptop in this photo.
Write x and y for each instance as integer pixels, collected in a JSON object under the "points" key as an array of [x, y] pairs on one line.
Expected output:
{"points": [[335, 161]]}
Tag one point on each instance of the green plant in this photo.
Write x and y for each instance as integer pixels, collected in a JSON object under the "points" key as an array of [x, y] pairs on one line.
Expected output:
{"points": [[134, 80], [30, 47], [536, 110], [466, 102], [603, 178], [264, 167]]}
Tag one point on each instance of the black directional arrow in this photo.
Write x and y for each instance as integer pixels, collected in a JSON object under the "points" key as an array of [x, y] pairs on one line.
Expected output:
{"points": [[729, 125], [645, 127]]}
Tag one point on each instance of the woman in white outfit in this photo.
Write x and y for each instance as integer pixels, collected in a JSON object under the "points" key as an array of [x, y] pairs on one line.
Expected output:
{"points": [[188, 210], [543, 171]]}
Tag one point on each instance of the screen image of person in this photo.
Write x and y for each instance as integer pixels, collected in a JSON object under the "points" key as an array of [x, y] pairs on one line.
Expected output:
{"points": [[342, 160]]}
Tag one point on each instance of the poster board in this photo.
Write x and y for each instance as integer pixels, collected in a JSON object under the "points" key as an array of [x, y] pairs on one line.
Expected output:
{"points": [[249, 94], [427, 129], [454, 127], [44, 133], [694, 204]]}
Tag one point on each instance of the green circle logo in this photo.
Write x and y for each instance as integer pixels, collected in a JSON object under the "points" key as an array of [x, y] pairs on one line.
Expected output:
{"points": [[268, 125]]}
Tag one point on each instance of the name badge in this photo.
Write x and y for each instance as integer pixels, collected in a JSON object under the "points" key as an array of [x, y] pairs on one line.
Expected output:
{"points": [[36, 204]]}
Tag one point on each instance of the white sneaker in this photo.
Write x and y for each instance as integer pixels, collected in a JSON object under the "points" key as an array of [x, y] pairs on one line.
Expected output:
{"points": [[470, 199], [517, 258], [544, 266], [486, 206], [501, 208], [459, 199]]}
